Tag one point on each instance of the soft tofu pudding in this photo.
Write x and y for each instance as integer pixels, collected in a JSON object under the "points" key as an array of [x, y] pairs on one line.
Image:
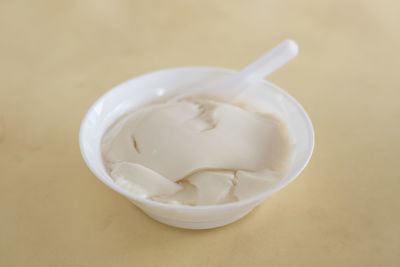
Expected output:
{"points": [[196, 152]]}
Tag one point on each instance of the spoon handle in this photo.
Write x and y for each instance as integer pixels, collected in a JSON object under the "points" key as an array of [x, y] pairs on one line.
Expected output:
{"points": [[272, 60], [229, 87]]}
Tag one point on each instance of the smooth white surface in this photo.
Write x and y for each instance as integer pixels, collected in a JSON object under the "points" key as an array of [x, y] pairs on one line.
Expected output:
{"points": [[200, 144], [156, 85]]}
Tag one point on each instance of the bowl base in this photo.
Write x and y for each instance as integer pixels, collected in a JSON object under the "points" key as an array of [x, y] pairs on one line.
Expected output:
{"points": [[197, 225]]}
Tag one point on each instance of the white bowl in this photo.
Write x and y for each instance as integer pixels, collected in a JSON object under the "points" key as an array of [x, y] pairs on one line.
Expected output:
{"points": [[155, 85]]}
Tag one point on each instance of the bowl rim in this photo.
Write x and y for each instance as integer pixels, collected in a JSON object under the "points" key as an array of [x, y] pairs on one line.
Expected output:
{"points": [[244, 202]]}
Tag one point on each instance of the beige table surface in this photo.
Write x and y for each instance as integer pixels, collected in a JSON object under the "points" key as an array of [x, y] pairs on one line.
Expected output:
{"points": [[58, 57]]}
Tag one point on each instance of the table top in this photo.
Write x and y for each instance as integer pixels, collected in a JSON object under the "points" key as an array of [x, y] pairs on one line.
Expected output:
{"points": [[58, 57]]}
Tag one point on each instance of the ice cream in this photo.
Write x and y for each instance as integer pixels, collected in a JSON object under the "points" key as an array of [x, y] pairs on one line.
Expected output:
{"points": [[196, 152]]}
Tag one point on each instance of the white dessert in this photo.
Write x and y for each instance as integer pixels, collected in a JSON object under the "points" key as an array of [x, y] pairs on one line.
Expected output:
{"points": [[196, 152]]}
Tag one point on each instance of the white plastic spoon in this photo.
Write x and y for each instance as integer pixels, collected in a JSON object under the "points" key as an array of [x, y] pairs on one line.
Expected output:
{"points": [[229, 87]]}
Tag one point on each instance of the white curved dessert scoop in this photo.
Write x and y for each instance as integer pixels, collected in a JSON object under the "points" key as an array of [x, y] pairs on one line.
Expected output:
{"points": [[229, 87]]}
